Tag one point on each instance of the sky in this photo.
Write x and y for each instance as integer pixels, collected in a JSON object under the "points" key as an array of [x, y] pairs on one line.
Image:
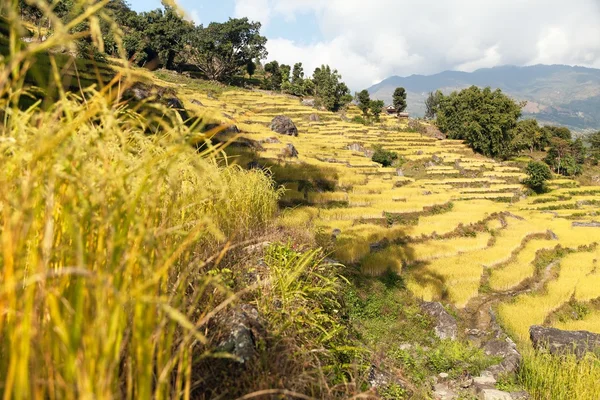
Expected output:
{"points": [[368, 41]]}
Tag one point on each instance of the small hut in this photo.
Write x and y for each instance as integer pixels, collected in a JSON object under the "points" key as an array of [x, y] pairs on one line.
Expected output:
{"points": [[391, 110], [403, 115]]}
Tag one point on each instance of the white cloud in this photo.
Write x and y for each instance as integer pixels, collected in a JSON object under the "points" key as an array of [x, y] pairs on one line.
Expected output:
{"points": [[371, 41]]}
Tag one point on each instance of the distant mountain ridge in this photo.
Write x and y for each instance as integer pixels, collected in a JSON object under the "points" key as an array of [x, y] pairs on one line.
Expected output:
{"points": [[556, 94]]}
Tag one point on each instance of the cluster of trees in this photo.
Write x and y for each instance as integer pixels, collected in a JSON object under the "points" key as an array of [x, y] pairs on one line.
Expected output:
{"points": [[489, 121], [374, 108], [163, 38]]}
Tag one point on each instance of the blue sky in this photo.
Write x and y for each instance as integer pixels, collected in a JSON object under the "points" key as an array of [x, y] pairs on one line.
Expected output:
{"points": [[371, 41]]}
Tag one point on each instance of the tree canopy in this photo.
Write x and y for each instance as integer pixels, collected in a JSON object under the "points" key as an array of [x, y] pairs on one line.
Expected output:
{"points": [[363, 101], [432, 104], [485, 119], [331, 92], [221, 50], [399, 99]]}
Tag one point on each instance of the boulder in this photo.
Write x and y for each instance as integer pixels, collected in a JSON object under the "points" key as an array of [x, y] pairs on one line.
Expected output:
{"points": [[284, 125], [590, 224], [241, 331], [558, 342], [290, 151], [271, 140], [314, 118], [494, 394], [486, 379], [507, 350], [308, 102], [445, 324], [442, 391]]}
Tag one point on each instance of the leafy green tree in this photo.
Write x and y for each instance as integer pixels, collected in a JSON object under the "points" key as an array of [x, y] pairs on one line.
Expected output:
{"points": [[537, 175], [384, 157], [594, 142], [528, 135], [363, 101], [399, 99], [563, 158], [331, 92], [485, 119], [164, 36], [376, 107], [432, 104], [558, 132], [251, 68], [578, 151], [272, 80], [222, 50]]}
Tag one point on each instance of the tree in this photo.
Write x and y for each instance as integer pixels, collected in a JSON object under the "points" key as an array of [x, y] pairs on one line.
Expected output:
{"points": [[529, 136], [363, 100], [376, 107], [432, 104], [331, 92], [384, 157], [222, 50], [594, 142], [563, 158], [537, 175], [251, 68], [272, 80], [558, 132], [485, 119], [399, 99]]}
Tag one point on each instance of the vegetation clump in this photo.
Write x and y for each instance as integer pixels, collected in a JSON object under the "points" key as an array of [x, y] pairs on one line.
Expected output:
{"points": [[384, 157], [538, 174]]}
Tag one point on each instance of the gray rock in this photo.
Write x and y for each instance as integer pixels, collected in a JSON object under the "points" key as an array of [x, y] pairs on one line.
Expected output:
{"points": [[243, 329], [399, 172], [493, 394], [271, 140], [520, 395], [591, 224], [442, 391], [507, 350], [336, 233], [314, 118], [308, 102], [445, 324], [559, 342], [290, 151], [485, 379], [284, 125], [356, 147], [443, 375]]}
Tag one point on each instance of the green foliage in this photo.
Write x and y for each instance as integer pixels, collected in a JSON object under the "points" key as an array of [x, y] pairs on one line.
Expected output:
{"points": [[359, 120], [566, 157], [273, 76], [432, 104], [594, 142], [376, 107], [528, 135], [537, 175], [363, 100], [384, 157], [399, 99], [558, 132], [485, 119], [331, 92], [222, 50]]}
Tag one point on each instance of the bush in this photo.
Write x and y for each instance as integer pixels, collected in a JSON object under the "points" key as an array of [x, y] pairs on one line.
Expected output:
{"points": [[384, 157], [537, 175]]}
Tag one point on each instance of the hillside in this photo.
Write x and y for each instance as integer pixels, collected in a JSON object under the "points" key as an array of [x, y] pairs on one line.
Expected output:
{"points": [[556, 94]]}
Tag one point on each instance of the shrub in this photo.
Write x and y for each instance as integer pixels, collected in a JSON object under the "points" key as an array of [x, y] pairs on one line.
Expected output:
{"points": [[384, 157], [537, 175]]}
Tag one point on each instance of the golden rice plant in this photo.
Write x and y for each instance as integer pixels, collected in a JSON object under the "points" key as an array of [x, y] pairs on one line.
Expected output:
{"points": [[106, 237]]}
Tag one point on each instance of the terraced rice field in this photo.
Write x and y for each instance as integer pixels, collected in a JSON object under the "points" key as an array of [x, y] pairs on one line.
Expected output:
{"points": [[455, 224]]}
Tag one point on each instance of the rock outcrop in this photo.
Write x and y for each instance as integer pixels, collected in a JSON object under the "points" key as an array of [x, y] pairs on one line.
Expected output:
{"points": [[242, 329], [507, 350], [284, 125], [308, 102], [560, 342], [446, 326], [290, 151]]}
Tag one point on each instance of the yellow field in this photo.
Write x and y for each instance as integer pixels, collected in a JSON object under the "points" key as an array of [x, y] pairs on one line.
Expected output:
{"points": [[449, 215]]}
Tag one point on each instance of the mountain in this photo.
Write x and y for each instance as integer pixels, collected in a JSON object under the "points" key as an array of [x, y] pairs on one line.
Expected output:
{"points": [[555, 94]]}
